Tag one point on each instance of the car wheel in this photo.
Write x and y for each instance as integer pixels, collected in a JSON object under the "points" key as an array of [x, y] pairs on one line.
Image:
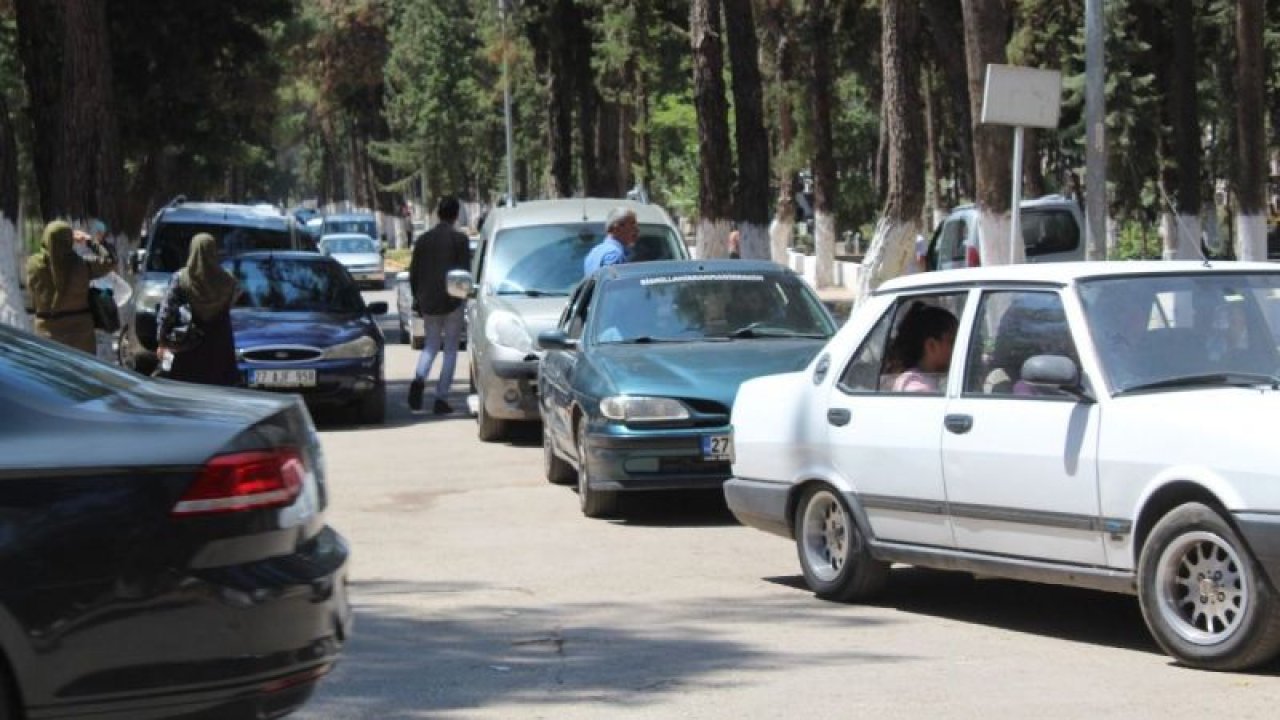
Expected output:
{"points": [[373, 407], [558, 471], [594, 503], [1204, 598], [834, 556], [491, 429]]}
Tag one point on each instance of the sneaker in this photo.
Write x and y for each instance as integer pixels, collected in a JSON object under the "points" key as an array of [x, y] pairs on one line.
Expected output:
{"points": [[415, 394], [441, 407]]}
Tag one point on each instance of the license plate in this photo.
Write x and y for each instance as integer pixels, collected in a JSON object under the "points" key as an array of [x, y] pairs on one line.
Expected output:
{"points": [[717, 447], [283, 378]]}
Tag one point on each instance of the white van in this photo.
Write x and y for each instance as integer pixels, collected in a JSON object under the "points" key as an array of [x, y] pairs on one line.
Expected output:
{"points": [[1052, 228]]}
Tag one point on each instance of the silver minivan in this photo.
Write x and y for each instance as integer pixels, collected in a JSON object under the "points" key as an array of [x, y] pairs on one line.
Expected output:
{"points": [[1052, 228], [527, 263]]}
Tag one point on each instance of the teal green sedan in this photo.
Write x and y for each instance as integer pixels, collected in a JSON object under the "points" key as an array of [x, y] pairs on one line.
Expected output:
{"points": [[639, 376]]}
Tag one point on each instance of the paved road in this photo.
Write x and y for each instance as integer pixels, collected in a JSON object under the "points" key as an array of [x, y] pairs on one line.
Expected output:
{"points": [[481, 592]]}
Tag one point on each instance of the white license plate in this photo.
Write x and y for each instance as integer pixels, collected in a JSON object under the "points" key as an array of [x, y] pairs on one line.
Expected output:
{"points": [[717, 447], [283, 378]]}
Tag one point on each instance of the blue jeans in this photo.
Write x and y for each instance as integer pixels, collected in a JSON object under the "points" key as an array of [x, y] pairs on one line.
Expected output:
{"points": [[433, 328]]}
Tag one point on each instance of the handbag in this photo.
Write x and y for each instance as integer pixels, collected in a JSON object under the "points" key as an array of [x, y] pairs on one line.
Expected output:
{"points": [[185, 335], [102, 306]]}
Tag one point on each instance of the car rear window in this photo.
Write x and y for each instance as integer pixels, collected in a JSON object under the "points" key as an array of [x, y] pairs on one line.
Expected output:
{"points": [[1049, 231], [285, 284], [364, 226], [547, 259], [171, 242]]}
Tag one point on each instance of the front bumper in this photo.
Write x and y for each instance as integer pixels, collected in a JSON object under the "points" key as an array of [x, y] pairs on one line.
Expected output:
{"points": [[1262, 533], [623, 459], [510, 384], [759, 504], [369, 276], [338, 382]]}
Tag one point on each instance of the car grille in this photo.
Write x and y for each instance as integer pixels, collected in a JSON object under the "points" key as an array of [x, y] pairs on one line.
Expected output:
{"points": [[281, 354]]}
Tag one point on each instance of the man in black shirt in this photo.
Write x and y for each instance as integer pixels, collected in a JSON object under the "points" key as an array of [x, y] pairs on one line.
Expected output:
{"points": [[435, 253]]}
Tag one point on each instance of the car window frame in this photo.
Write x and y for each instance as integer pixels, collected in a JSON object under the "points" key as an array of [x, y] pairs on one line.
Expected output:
{"points": [[891, 315], [975, 333]]}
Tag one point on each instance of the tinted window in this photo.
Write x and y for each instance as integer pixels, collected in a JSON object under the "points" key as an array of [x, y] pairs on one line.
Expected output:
{"points": [[171, 242], [357, 244], [1012, 327], [548, 258], [50, 374], [1049, 231], [364, 226], [694, 307], [295, 285]]}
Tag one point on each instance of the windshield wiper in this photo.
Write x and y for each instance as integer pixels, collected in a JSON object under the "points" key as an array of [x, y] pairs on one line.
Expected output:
{"points": [[532, 292], [756, 330], [1225, 379]]}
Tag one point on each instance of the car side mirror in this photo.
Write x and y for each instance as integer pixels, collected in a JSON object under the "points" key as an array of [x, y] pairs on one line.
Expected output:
{"points": [[556, 340], [460, 284], [136, 259], [1055, 372], [378, 308]]}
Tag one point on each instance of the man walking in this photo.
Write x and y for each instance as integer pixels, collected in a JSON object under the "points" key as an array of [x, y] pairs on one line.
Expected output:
{"points": [[435, 253], [621, 232]]}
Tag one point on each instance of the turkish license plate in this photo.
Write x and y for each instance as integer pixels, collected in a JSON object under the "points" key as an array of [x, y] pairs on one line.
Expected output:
{"points": [[296, 377], [717, 447]]}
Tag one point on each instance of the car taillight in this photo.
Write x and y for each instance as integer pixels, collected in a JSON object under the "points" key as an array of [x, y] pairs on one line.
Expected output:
{"points": [[245, 481], [971, 257]]}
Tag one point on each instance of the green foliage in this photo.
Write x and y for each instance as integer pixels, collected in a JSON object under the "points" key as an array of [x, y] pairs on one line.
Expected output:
{"points": [[856, 135], [1137, 240], [673, 129]]}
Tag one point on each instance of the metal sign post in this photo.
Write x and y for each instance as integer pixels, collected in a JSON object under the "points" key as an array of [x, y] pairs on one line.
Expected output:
{"points": [[1020, 97]]}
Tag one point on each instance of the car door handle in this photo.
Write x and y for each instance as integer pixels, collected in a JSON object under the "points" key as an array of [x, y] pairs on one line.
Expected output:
{"points": [[958, 424], [839, 417]]}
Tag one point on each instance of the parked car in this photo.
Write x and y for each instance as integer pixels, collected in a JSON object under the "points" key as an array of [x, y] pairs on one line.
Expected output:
{"points": [[528, 261], [238, 229], [165, 547], [640, 372], [360, 255], [1102, 425], [363, 223], [301, 326], [1052, 230]]}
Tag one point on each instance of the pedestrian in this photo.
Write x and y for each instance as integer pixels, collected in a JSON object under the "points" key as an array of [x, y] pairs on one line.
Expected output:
{"points": [[204, 293], [58, 278], [734, 244], [438, 251], [621, 233]]}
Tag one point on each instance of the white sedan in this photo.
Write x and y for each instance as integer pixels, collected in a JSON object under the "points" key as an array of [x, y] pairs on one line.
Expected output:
{"points": [[1103, 425], [359, 254]]}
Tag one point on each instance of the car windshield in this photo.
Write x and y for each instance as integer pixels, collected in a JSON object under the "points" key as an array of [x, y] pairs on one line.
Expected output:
{"points": [[708, 306], [1182, 330], [171, 242], [349, 245], [547, 259], [363, 226], [287, 284]]}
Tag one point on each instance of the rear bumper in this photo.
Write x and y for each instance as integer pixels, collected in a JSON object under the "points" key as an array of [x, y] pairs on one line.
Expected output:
{"points": [[1262, 533], [761, 505], [654, 460], [247, 640], [338, 382]]}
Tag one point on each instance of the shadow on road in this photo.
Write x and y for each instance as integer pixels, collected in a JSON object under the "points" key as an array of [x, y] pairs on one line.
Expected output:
{"points": [[404, 662], [689, 508]]}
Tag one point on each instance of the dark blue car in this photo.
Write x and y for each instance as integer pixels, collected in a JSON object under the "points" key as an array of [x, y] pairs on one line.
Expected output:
{"points": [[302, 327], [640, 374]]}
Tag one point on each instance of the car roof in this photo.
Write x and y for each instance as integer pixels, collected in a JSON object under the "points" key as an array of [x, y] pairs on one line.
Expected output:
{"points": [[651, 268], [1068, 272], [1042, 201], [282, 255], [571, 210], [224, 213]]}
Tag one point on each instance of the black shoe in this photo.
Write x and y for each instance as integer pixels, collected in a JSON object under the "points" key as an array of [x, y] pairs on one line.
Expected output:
{"points": [[415, 394], [441, 407]]}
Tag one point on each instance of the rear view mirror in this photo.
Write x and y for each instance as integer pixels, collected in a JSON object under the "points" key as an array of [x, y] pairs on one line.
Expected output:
{"points": [[460, 284], [136, 260], [1054, 372], [556, 340]]}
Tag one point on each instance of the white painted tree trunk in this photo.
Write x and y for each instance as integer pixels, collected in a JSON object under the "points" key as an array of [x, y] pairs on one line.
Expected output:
{"points": [[1181, 236], [713, 238], [824, 249], [892, 250], [1251, 237], [754, 242], [12, 312], [993, 240], [780, 234]]}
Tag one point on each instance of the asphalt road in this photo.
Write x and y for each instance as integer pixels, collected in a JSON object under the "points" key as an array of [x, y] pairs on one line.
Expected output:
{"points": [[481, 592]]}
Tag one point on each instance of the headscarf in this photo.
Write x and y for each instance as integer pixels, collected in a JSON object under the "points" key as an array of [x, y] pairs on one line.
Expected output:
{"points": [[210, 288], [50, 270]]}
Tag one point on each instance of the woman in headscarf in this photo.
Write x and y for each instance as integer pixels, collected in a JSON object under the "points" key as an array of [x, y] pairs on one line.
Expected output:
{"points": [[208, 291], [58, 278]]}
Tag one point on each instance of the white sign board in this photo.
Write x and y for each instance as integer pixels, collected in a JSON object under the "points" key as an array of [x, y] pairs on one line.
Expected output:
{"points": [[1023, 97]]}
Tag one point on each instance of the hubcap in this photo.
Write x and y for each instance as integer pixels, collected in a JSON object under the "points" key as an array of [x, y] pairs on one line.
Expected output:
{"points": [[825, 536], [1203, 588]]}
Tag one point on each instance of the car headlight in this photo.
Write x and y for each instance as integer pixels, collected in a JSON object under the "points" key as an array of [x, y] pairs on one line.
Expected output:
{"points": [[640, 409], [359, 348], [505, 329]]}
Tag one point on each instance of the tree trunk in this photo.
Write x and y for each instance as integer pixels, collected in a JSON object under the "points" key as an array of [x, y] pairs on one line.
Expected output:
{"points": [[1176, 64], [943, 18], [1251, 141], [40, 40], [892, 247], [555, 54], [12, 311], [751, 193], [778, 20], [986, 33], [608, 150], [715, 174], [933, 136], [824, 171]]}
